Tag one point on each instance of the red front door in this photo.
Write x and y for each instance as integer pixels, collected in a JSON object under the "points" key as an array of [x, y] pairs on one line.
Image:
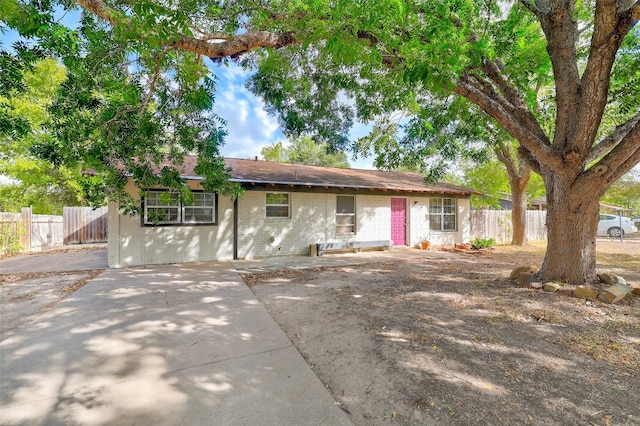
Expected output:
{"points": [[399, 221]]}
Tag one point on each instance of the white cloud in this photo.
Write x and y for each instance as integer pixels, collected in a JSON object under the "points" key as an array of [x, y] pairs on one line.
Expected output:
{"points": [[268, 123], [249, 126]]}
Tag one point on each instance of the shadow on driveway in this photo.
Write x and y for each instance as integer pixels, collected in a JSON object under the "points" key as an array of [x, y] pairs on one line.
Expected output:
{"points": [[167, 345]]}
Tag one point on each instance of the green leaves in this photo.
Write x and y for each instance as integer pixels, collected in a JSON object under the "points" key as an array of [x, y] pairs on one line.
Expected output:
{"points": [[129, 106], [23, 117], [305, 151]]}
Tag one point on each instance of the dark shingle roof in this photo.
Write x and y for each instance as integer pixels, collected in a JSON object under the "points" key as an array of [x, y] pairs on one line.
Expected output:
{"points": [[257, 172]]}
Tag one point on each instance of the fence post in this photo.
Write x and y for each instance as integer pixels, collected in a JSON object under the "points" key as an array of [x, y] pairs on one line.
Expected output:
{"points": [[26, 217]]}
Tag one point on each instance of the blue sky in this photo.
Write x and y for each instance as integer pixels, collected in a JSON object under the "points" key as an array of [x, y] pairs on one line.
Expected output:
{"points": [[250, 127]]}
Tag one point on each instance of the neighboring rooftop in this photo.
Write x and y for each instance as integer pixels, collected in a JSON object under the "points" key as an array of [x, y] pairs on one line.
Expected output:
{"points": [[258, 172]]}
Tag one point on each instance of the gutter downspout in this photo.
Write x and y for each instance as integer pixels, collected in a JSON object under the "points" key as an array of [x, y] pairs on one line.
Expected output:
{"points": [[235, 229]]}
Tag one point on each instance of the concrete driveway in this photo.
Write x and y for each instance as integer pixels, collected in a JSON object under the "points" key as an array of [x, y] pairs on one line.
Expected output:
{"points": [[73, 258], [167, 345]]}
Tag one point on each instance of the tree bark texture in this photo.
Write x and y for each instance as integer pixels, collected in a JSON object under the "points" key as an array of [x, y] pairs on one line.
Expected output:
{"points": [[519, 211], [572, 222], [519, 175]]}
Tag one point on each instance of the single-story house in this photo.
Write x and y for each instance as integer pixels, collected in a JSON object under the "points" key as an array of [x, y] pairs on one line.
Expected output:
{"points": [[284, 210]]}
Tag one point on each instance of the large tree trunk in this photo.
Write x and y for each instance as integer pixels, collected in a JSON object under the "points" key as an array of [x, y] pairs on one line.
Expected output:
{"points": [[519, 211], [572, 222]]}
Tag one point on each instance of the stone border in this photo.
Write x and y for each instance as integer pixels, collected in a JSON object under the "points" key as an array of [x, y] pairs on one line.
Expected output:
{"points": [[526, 276]]}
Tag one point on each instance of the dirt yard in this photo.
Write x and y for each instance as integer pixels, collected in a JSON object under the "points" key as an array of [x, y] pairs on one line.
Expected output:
{"points": [[447, 339]]}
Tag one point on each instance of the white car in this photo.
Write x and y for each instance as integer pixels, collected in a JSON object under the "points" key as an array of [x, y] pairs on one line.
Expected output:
{"points": [[615, 226]]}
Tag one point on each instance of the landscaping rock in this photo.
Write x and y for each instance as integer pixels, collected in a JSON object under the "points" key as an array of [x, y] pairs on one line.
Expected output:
{"points": [[582, 292], [525, 278], [520, 269], [536, 285], [567, 290], [552, 287], [611, 279], [636, 288], [608, 278], [615, 293]]}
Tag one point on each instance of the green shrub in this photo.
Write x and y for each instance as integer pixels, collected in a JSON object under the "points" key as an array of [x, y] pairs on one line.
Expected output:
{"points": [[480, 243], [10, 238]]}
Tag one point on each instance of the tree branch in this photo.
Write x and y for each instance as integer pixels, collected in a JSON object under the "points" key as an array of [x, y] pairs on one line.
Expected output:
{"points": [[610, 28], [538, 8], [154, 79], [539, 147], [620, 159], [237, 45], [632, 6], [229, 46], [529, 159], [504, 156], [520, 109], [525, 169], [561, 31], [492, 69], [613, 139]]}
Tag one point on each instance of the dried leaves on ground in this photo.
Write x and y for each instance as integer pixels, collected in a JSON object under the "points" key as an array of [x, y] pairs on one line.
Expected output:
{"points": [[24, 296], [446, 338]]}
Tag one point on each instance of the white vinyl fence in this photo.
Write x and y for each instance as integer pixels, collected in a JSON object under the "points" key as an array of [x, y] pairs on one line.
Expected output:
{"points": [[497, 224]]}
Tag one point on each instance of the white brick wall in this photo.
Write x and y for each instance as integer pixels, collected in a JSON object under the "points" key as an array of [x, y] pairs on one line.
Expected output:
{"points": [[419, 223], [259, 236], [313, 220]]}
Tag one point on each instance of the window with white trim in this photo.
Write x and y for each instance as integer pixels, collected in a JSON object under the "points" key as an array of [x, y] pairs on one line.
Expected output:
{"points": [[442, 214], [277, 204], [345, 214], [165, 208]]}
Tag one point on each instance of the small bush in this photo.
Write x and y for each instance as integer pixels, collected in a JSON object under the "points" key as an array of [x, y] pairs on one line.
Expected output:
{"points": [[480, 243], [10, 238]]}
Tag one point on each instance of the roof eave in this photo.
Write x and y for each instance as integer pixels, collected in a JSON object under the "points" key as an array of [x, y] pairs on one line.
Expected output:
{"points": [[341, 186]]}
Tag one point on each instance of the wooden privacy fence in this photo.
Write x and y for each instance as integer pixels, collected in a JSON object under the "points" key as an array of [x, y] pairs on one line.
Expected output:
{"points": [[497, 224], [31, 232], [26, 231], [83, 225]]}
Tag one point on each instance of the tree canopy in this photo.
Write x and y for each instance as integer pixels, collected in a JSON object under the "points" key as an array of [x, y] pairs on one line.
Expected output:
{"points": [[129, 106], [35, 182], [305, 150]]}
